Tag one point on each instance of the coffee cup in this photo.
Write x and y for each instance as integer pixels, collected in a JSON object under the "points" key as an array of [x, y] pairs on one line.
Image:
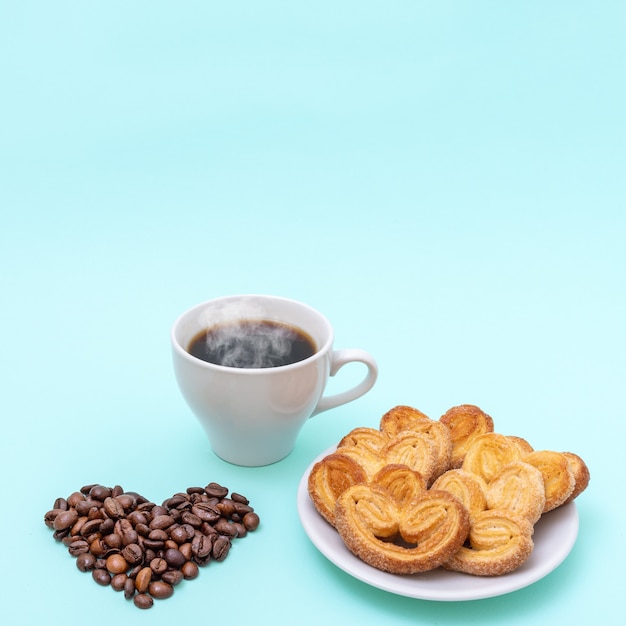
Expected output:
{"points": [[254, 368]]}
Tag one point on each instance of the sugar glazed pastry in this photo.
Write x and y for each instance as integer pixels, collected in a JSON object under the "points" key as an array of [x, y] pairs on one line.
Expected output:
{"points": [[417, 494], [401, 538]]}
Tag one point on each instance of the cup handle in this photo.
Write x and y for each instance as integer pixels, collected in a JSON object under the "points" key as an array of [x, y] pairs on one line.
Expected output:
{"points": [[339, 358]]}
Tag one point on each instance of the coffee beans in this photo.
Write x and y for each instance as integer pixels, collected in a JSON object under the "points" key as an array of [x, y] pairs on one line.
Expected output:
{"points": [[143, 549]]}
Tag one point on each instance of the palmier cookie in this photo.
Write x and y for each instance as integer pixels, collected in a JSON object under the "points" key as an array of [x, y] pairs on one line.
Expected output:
{"points": [[370, 439], [465, 422], [400, 418], [467, 487], [402, 483], [414, 450], [558, 478], [401, 540], [522, 444], [499, 542], [490, 453], [364, 445], [581, 475], [329, 478], [518, 488]]}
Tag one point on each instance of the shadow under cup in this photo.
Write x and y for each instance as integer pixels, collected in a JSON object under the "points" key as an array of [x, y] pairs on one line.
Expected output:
{"points": [[252, 416]]}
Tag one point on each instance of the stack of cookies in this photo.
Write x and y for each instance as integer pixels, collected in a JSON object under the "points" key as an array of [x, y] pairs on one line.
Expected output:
{"points": [[417, 493]]}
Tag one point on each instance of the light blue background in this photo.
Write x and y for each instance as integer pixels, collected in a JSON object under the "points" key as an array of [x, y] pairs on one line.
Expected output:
{"points": [[444, 180]]}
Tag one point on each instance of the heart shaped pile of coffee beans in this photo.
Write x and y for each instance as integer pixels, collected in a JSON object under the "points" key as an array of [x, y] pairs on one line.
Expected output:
{"points": [[144, 549]]}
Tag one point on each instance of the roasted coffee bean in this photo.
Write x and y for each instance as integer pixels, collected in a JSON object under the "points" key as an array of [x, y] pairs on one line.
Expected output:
{"points": [[185, 550], [90, 527], [158, 510], [132, 553], [175, 501], [113, 540], [143, 601], [152, 544], [137, 517], [74, 499], [86, 562], [67, 539], [242, 531], [113, 508], [196, 498], [158, 535], [242, 509], [61, 503], [59, 535], [84, 506], [206, 512], [161, 521], [50, 516], [221, 547], [97, 512], [97, 547], [189, 570], [143, 579], [116, 564], [216, 490], [224, 527], [158, 565], [100, 492], [178, 534], [174, 557], [190, 519], [251, 521], [80, 522], [127, 500], [129, 587], [201, 546], [208, 530], [129, 536], [160, 590], [149, 554], [101, 576], [226, 507], [78, 547], [175, 576], [189, 530], [139, 499], [65, 519], [119, 581], [122, 525], [237, 497]]}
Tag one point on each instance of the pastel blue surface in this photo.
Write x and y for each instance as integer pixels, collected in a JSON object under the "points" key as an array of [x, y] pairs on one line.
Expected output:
{"points": [[444, 180]]}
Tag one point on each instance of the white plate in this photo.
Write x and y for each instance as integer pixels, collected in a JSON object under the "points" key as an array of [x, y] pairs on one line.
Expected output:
{"points": [[555, 535]]}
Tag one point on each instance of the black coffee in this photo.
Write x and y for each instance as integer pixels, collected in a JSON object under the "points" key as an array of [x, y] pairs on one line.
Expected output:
{"points": [[252, 344]]}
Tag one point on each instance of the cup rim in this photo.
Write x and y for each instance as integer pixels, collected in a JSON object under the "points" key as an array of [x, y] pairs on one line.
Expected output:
{"points": [[181, 351]]}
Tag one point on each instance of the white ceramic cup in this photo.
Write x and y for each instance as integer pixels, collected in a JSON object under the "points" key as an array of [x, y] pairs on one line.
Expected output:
{"points": [[252, 416]]}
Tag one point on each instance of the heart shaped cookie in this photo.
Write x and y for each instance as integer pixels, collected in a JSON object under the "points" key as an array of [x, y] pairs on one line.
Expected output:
{"points": [[518, 488], [401, 539], [499, 542]]}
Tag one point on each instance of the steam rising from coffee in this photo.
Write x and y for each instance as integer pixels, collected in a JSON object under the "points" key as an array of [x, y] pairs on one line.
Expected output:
{"points": [[250, 341]]}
